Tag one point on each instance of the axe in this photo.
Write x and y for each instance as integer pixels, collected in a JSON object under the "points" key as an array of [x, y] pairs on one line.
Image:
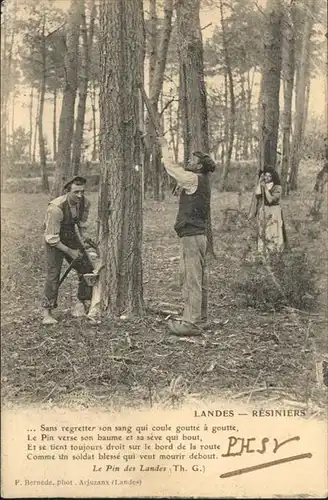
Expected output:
{"points": [[67, 271], [91, 277], [154, 120], [152, 115]]}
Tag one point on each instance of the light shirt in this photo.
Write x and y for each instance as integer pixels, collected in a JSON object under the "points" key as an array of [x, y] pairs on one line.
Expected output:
{"points": [[186, 180], [54, 217]]}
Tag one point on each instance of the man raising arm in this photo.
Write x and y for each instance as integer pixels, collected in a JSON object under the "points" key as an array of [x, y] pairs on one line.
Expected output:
{"points": [[190, 226]]}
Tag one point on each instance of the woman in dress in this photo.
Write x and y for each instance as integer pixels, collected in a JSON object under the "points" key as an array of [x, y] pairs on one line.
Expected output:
{"points": [[271, 230]]}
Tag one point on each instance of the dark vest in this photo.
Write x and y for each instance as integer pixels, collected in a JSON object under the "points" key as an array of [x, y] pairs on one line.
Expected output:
{"points": [[194, 209], [67, 232]]}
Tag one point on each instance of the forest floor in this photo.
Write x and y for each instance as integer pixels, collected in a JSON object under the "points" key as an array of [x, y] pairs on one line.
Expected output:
{"points": [[245, 354]]}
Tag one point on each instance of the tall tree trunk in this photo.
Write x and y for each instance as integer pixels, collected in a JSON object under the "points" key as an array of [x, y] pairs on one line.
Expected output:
{"points": [[270, 85], [174, 131], [94, 154], [192, 87], [288, 71], [152, 156], [243, 117], [326, 82], [250, 86], [226, 126], [152, 41], [31, 124], [36, 126], [4, 96], [300, 104], [319, 187], [54, 127], [156, 80], [120, 231], [306, 102], [163, 46], [83, 90], [42, 149], [248, 121], [66, 121], [193, 92], [149, 145], [13, 103], [319, 196], [232, 109], [7, 44]]}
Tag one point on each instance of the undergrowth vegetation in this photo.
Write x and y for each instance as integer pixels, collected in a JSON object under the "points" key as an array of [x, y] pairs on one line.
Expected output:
{"points": [[287, 279], [262, 325]]}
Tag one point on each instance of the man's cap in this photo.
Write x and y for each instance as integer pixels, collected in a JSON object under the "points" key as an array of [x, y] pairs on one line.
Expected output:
{"points": [[205, 160], [77, 179]]}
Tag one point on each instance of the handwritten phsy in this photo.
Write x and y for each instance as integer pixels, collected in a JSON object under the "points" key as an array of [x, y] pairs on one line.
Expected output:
{"points": [[147, 448], [243, 446]]}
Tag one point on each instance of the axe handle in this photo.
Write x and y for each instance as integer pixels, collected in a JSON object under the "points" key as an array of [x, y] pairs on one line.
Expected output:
{"points": [[68, 270], [150, 110]]}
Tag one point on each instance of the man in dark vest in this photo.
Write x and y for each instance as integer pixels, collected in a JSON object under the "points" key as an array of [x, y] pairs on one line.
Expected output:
{"points": [[190, 225], [61, 242]]}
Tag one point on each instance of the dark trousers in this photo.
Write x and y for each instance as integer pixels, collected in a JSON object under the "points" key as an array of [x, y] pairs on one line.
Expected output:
{"points": [[54, 260]]}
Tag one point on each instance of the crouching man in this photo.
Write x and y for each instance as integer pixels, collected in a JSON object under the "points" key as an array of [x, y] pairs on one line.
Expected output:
{"points": [[62, 242], [194, 206]]}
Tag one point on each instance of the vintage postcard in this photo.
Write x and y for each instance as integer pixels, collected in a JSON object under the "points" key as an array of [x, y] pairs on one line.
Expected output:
{"points": [[164, 169]]}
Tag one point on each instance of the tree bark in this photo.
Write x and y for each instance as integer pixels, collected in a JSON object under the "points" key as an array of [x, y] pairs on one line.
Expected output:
{"points": [[250, 86], [66, 121], [193, 92], [120, 228], [157, 64], [243, 118], [94, 154], [192, 87], [306, 102], [174, 128], [300, 104], [150, 152], [54, 127], [321, 181], [36, 127], [226, 125], [326, 81], [13, 103], [152, 41], [232, 109], [7, 44], [42, 149], [288, 71], [270, 85], [83, 90], [31, 124]]}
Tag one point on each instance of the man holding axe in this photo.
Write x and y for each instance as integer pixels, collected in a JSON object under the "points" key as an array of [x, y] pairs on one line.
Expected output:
{"points": [[65, 223], [194, 206]]}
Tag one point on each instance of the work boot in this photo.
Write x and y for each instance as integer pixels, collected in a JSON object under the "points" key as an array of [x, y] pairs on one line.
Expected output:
{"points": [[78, 310], [183, 328], [48, 319]]}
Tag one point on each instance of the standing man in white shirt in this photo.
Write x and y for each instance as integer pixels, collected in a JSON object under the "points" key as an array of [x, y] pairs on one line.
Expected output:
{"points": [[190, 225], [61, 242]]}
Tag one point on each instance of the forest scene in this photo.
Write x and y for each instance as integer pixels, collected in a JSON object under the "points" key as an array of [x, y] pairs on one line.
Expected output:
{"points": [[87, 89]]}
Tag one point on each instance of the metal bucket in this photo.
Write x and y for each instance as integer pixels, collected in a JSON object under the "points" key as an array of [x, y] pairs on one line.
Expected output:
{"points": [[90, 278]]}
